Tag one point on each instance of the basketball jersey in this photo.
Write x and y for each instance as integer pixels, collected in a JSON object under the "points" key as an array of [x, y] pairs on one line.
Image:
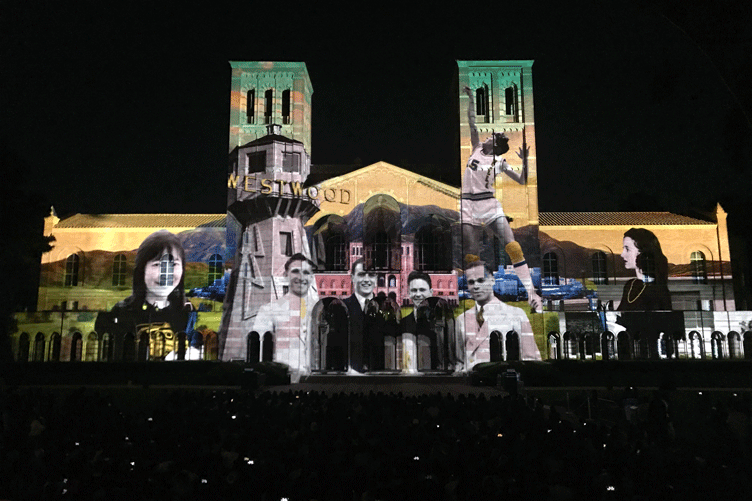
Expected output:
{"points": [[480, 173]]}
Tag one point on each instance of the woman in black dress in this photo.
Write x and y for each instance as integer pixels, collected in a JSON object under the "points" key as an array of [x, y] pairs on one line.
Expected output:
{"points": [[649, 290], [158, 302]]}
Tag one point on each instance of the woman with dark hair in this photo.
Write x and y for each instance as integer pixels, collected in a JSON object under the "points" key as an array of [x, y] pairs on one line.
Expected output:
{"points": [[158, 278], [158, 301], [649, 290]]}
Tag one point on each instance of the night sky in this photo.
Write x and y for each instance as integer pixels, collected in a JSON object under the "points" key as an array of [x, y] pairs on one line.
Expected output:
{"points": [[125, 107]]}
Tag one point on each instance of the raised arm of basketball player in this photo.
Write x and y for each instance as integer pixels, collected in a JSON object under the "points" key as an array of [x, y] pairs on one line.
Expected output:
{"points": [[471, 117]]}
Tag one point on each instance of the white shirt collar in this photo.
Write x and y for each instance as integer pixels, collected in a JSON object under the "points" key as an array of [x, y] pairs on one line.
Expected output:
{"points": [[362, 300]]}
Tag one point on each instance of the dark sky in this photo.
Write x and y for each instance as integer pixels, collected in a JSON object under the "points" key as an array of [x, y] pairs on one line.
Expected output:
{"points": [[125, 107]]}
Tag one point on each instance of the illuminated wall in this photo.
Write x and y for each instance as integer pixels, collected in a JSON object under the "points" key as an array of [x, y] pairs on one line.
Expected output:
{"points": [[697, 251], [279, 263], [354, 208], [91, 262], [91, 269]]}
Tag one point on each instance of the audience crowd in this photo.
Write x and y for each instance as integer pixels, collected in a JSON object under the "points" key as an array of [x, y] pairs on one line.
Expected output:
{"points": [[201, 444]]}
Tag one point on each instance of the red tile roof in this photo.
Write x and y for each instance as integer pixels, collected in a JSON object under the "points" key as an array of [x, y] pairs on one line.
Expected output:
{"points": [[218, 220], [143, 221], [616, 219]]}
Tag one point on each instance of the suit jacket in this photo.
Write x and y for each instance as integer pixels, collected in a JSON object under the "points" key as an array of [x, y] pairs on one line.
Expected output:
{"points": [[291, 332], [437, 324], [502, 318], [356, 319]]}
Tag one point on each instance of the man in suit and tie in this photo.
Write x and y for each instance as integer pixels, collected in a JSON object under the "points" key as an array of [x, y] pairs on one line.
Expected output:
{"points": [[288, 318], [488, 315], [431, 317], [359, 304]]}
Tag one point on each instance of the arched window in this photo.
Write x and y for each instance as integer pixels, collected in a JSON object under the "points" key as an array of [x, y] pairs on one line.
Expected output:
{"points": [[696, 349], [335, 252], [495, 341], [215, 268], [663, 349], [118, 270], [510, 101], [267, 348], [570, 345], [600, 273], [550, 269], [286, 106], [640, 345], [106, 352], [608, 348], [250, 106], [157, 346], [129, 347], [734, 345], [623, 346], [54, 348], [699, 270], [678, 339], [587, 350], [329, 329], [716, 345], [512, 345], [433, 247], [38, 355], [143, 346], [182, 345], [92, 347], [268, 106], [482, 111], [211, 348], [424, 348], [330, 244], [382, 233], [554, 346], [71, 270], [23, 347], [381, 250], [77, 344], [253, 348]]}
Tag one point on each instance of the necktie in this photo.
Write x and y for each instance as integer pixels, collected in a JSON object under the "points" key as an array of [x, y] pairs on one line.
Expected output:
{"points": [[479, 317]]}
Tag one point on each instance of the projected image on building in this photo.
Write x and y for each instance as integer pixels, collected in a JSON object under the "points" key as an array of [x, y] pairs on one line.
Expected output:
{"points": [[382, 268]]}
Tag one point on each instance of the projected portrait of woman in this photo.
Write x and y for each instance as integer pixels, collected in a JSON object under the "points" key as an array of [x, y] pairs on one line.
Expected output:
{"points": [[157, 307], [648, 291]]}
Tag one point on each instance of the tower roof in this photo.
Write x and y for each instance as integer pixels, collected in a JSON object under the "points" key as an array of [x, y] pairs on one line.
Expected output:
{"points": [[271, 138]]}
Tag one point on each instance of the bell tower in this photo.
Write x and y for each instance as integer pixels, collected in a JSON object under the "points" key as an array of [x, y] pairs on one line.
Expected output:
{"points": [[503, 97], [267, 203], [503, 92], [266, 92]]}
